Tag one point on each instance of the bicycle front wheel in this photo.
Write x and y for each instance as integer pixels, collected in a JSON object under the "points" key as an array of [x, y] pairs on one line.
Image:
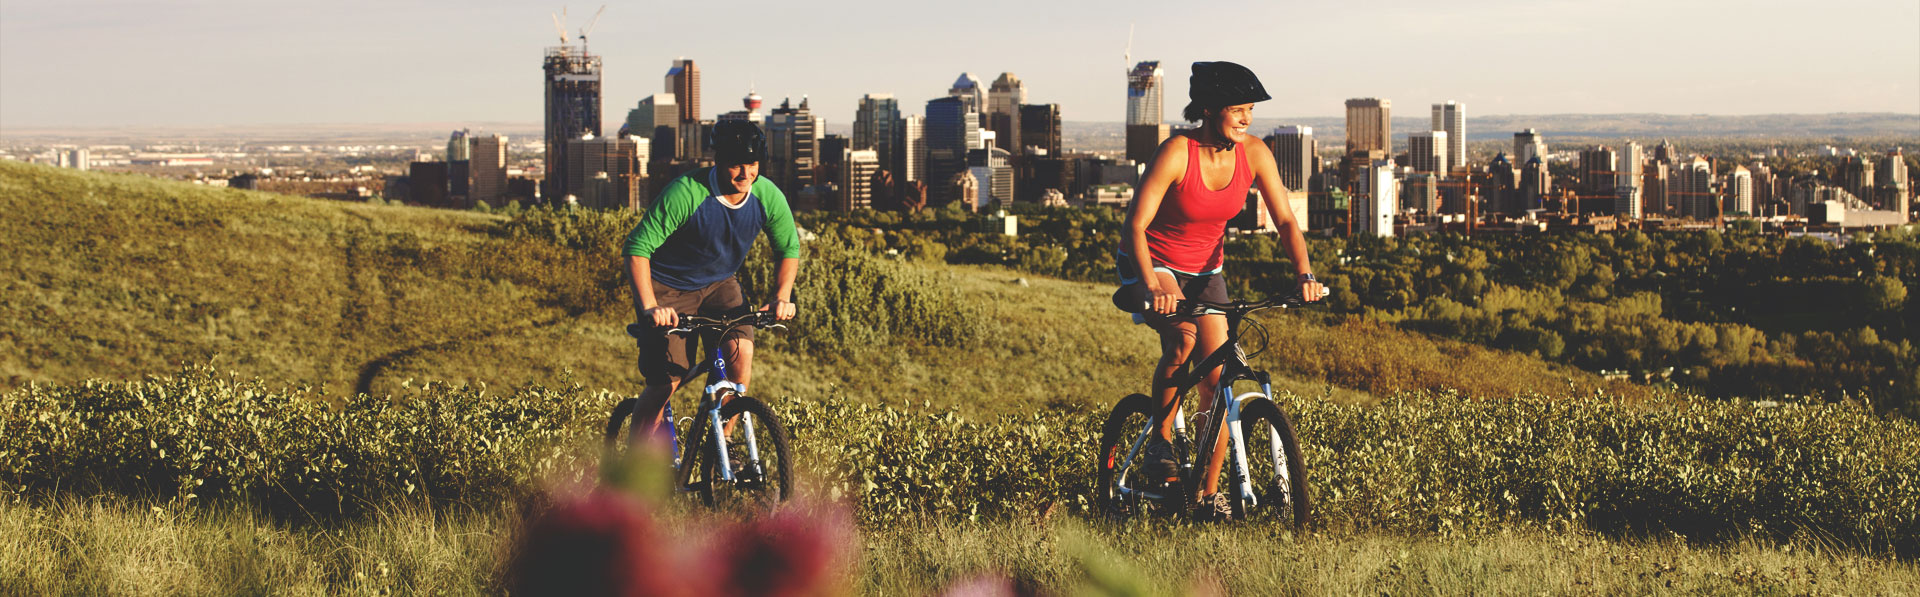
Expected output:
{"points": [[1275, 470], [757, 459], [1125, 488], [622, 412]]}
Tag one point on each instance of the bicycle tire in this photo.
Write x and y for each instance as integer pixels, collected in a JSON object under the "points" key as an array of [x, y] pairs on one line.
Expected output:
{"points": [[775, 482], [1130, 415], [1261, 423]]}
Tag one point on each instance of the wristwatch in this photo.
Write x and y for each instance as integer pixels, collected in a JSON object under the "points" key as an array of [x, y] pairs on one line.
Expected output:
{"points": [[1306, 277]]}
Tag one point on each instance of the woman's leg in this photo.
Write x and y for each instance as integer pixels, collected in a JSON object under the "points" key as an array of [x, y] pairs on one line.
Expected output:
{"points": [[1212, 335]]}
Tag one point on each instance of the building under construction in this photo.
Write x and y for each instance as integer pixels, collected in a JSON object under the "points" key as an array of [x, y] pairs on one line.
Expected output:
{"points": [[573, 109]]}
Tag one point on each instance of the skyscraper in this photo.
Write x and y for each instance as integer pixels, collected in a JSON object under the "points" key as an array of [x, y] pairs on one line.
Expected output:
{"points": [[489, 170], [1632, 160], [572, 109], [604, 173], [1597, 167], [1294, 149], [1529, 144], [657, 110], [1692, 190], [1740, 191], [1003, 111], [1896, 191], [1376, 198], [683, 81], [793, 135], [1856, 174], [1146, 118], [1427, 151], [911, 163], [951, 129], [874, 124], [857, 167], [1040, 129], [458, 148], [971, 92], [1369, 125], [1452, 118]]}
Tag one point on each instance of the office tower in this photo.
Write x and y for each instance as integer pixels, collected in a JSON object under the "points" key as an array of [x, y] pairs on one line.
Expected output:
{"points": [[488, 167], [1294, 149], [857, 169], [683, 81], [1376, 195], [1665, 152], [1146, 118], [1597, 167], [654, 111], [1502, 195], [1656, 188], [972, 93], [1632, 160], [831, 149], [1764, 190], [428, 181], [874, 124], [997, 184], [1003, 111], [604, 173], [1740, 191], [78, 158], [911, 163], [1427, 151], [1420, 191], [793, 136], [1146, 84], [1527, 145], [1369, 125], [1535, 184], [1626, 202], [951, 130], [459, 147], [1452, 118], [572, 108], [1040, 129], [1692, 190]]}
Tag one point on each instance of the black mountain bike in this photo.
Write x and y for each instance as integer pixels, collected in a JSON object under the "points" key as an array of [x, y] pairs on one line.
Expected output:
{"points": [[1264, 476]]}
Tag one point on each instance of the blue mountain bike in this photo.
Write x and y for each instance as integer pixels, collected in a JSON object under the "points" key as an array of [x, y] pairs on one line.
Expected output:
{"points": [[735, 450]]}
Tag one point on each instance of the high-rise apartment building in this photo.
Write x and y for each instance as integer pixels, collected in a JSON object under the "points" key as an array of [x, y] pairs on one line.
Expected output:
{"points": [[1597, 167], [1295, 151], [1502, 194], [459, 148], [1376, 199], [654, 111], [1856, 176], [1692, 190], [1003, 111], [1740, 191], [1627, 170], [911, 163], [1452, 118], [1369, 125], [572, 109], [1040, 129], [488, 166], [793, 136], [1427, 152], [1765, 190], [1896, 191], [1656, 188], [997, 185], [857, 167], [874, 124], [78, 158], [1535, 184], [952, 129]]}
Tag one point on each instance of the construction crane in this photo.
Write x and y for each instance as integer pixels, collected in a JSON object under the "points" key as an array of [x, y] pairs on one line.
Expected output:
{"points": [[589, 28], [560, 24]]}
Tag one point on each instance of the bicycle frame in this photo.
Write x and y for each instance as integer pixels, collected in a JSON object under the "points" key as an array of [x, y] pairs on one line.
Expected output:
{"points": [[718, 389]]}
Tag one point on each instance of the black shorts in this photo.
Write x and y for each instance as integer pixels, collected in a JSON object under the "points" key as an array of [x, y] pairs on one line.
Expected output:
{"points": [[668, 357], [1133, 296]]}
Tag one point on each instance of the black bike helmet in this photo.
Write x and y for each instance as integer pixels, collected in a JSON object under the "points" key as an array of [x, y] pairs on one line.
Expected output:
{"points": [[1216, 85], [736, 142]]}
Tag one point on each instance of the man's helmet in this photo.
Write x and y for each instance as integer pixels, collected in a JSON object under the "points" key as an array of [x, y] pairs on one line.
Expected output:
{"points": [[736, 142]]}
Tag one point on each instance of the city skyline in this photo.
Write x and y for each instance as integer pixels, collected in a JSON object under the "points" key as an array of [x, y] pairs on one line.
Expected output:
{"points": [[220, 62]]}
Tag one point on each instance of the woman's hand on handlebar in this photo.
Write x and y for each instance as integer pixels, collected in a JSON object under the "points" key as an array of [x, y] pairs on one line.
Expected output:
{"points": [[782, 310], [663, 317]]}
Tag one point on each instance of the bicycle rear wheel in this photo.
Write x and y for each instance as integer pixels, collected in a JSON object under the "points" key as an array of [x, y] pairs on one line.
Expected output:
{"points": [[757, 484], [1277, 472], [1123, 486]]}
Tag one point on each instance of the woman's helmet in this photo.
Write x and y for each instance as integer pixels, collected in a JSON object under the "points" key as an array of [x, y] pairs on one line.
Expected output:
{"points": [[1220, 84], [736, 142]]}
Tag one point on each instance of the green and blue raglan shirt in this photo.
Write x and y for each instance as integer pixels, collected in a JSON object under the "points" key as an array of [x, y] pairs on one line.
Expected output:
{"points": [[693, 238]]}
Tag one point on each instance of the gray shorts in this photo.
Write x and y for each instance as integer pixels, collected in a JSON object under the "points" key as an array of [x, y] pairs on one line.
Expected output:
{"points": [[665, 356]]}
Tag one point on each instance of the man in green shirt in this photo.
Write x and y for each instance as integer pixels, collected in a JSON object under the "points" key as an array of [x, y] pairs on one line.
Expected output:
{"points": [[688, 246]]}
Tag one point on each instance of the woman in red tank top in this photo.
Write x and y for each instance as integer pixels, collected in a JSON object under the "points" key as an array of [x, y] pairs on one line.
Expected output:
{"points": [[1175, 231]]}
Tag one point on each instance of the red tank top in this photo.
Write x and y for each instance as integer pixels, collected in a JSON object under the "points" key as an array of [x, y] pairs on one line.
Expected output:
{"points": [[1186, 234]]}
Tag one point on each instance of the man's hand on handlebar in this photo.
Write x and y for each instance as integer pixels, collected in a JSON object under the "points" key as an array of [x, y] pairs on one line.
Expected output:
{"points": [[781, 310], [663, 316], [1312, 291]]}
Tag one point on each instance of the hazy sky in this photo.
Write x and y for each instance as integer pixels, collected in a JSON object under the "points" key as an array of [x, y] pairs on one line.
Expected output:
{"points": [[195, 62]]}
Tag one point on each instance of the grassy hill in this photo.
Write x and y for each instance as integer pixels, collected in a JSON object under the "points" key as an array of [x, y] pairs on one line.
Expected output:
{"points": [[121, 276]]}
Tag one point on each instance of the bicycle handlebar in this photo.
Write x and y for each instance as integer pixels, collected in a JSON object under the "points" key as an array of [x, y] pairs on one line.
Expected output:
{"points": [[1195, 307], [688, 324]]}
